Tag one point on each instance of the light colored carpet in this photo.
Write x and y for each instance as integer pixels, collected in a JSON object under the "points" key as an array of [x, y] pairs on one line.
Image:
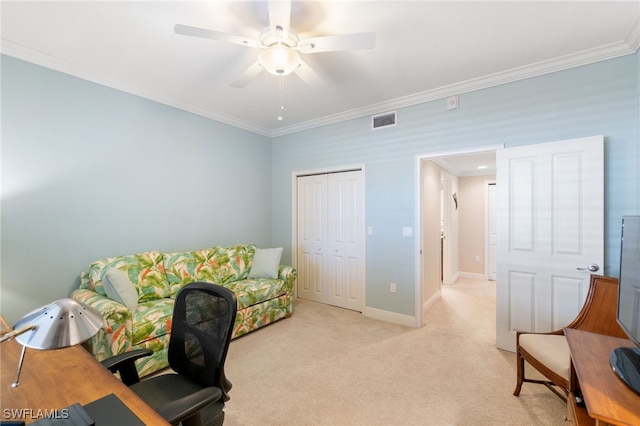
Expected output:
{"points": [[331, 366]]}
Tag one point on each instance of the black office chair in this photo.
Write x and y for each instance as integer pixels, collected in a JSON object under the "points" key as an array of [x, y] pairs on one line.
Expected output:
{"points": [[201, 329]]}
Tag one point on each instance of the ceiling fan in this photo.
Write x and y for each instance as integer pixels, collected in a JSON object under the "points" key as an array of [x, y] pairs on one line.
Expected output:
{"points": [[280, 45]]}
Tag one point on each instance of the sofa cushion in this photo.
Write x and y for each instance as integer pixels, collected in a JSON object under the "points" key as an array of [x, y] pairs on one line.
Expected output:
{"points": [[119, 287], [225, 263], [253, 291], [152, 320], [265, 263], [180, 269], [145, 270], [215, 265]]}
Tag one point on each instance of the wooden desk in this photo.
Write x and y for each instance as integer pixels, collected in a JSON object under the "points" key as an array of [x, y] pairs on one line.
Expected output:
{"points": [[608, 400], [56, 379]]}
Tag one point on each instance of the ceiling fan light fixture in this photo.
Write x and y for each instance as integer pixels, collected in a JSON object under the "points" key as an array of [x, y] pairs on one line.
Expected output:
{"points": [[279, 59]]}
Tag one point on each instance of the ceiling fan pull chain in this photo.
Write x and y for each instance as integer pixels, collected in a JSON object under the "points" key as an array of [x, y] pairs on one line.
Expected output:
{"points": [[280, 117]]}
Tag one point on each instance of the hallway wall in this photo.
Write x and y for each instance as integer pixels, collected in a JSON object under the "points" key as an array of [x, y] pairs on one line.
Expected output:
{"points": [[472, 207]]}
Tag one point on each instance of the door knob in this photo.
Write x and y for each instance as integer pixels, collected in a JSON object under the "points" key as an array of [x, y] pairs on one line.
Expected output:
{"points": [[592, 267]]}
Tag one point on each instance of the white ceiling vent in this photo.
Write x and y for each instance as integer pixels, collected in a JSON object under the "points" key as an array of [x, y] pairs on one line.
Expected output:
{"points": [[383, 120]]}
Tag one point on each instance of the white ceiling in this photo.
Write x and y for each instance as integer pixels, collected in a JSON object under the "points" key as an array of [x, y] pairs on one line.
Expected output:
{"points": [[424, 51], [465, 165]]}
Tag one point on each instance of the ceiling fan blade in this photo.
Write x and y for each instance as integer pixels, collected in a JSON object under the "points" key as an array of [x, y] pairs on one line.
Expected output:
{"points": [[248, 75], [214, 35], [280, 15], [309, 76], [338, 42]]}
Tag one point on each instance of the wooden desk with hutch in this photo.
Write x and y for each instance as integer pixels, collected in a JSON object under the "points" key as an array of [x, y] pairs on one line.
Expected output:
{"points": [[607, 400]]}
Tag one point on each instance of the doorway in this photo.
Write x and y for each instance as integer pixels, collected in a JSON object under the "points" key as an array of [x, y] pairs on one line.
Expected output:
{"points": [[445, 179]]}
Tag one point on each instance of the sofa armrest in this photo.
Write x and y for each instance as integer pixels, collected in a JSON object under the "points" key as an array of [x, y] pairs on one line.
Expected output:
{"points": [[117, 334], [289, 275]]}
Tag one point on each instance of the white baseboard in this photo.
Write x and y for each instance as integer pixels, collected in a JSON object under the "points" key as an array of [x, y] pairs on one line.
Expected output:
{"points": [[391, 317], [433, 299], [471, 276], [454, 278]]}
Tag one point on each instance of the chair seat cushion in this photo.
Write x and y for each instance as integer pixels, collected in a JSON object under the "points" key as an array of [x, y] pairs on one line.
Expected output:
{"points": [[160, 390], [551, 350]]}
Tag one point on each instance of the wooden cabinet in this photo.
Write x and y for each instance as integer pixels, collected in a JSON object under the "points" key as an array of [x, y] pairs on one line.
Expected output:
{"points": [[606, 399]]}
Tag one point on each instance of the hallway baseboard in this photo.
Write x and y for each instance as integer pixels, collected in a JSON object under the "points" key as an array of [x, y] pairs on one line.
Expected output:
{"points": [[391, 317], [471, 276]]}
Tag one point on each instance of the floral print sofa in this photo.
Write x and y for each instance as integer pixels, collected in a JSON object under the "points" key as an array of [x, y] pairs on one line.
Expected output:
{"points": [[157, 277]]}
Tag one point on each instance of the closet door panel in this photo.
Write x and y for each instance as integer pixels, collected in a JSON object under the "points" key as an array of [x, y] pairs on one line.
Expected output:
{"points": [[335, 240], [346, 239], [312, 236]]}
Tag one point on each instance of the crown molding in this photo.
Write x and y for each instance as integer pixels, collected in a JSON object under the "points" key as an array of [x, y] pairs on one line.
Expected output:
{"points": [[610, 51], [633, 36], [628, 46], [95, 76]]}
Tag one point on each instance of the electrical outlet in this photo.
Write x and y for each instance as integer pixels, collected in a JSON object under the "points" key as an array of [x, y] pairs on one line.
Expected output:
{"points": [[392, 287]]}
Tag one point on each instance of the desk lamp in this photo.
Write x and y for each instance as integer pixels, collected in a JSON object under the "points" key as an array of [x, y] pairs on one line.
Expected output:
{"points": [[62, 323]]}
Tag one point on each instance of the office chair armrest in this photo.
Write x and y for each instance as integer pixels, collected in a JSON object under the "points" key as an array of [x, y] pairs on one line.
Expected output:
{"points": [[185, 407], [124, 363]]}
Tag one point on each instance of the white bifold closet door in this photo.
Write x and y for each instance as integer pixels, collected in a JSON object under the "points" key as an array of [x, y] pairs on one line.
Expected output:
{"points": [[330, 238]]}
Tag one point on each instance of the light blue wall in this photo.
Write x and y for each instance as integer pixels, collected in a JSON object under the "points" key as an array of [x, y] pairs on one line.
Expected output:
{"points": [[90, 172], [601, 98]]}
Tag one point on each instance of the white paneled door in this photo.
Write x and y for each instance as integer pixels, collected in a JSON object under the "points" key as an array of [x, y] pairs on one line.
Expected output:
{"points": [[550, 233], [312, 237], [330, 238], [492, 234]]}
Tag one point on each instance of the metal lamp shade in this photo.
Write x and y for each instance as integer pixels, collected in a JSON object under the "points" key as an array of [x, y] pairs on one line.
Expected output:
{"points": [[65, 322]]}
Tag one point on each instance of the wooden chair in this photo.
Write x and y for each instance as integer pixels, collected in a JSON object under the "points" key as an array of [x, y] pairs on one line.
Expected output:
{"points": [[549, 352]]}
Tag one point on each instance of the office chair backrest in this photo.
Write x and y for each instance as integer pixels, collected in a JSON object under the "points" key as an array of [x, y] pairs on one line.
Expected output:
{"points": [[201, 329]]}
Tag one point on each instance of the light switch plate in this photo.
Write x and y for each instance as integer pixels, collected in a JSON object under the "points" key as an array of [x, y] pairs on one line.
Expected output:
{"points": [[407, 231]]}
